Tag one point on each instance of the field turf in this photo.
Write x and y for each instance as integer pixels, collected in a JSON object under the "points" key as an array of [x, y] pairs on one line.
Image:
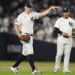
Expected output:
{"points": [[24, 68]]}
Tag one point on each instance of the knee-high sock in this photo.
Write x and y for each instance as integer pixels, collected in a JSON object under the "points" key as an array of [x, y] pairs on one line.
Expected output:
{"points": [[31, 62], [19, 60], [66, 61], [57, 61]]}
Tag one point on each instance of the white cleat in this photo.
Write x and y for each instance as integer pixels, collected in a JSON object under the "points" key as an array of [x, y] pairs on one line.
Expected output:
{"points": [[55, 70], [36, 72], [66, 71], [14, 69]]}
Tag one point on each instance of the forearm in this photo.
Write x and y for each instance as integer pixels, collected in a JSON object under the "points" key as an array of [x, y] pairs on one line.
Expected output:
{"points": [[48, 10], [45, 12], [16, 29], [57, 31]]}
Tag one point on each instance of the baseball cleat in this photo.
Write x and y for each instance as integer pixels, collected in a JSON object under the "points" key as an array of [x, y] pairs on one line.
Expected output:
{"points": [[36, 72], [56, 69], [66, 71], [14, 69]]}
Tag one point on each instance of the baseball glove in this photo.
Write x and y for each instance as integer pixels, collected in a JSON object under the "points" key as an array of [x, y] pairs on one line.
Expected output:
{"points": [[25, 38]]}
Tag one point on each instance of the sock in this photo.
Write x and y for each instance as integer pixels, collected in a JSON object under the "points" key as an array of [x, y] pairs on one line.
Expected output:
{"points": [[31, 61]]}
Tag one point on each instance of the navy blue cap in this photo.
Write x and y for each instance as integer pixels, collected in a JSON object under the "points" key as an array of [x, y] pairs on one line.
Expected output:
{"points": [[65, 9], [28, 4]]}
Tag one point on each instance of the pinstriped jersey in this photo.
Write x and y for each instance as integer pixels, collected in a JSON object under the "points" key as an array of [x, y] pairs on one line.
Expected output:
{"points": [[26, 22], [65, 25]]}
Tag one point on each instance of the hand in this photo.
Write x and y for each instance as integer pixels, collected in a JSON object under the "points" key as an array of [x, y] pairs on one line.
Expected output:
{"points": [[25, 38], [54, 7]]}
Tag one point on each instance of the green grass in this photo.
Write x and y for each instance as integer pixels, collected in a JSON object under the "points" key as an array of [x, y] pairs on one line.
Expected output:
{"points": [[8, 72], [25, 68]]}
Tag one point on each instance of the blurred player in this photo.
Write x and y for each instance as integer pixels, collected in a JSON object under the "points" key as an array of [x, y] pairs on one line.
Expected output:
{"points": [[63, 27], [24, 26]]}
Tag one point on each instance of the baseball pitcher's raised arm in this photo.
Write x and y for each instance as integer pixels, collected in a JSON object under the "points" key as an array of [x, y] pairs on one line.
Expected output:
{"points": [[43, 13], [16, 29]]}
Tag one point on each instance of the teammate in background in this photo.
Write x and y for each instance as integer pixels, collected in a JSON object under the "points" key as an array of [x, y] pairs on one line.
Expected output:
{"points": [[64, 27], [24, 26]]}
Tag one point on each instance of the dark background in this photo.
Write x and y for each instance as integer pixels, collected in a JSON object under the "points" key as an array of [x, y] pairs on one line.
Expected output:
{"points": [[44, 51], [10, 45]]}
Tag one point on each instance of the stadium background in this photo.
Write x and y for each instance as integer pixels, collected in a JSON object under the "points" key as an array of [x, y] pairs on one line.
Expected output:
{"points": [[44, 41]]}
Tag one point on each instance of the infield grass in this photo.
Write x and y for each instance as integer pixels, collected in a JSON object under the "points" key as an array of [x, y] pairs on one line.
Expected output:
{"points": [[24, 68]]}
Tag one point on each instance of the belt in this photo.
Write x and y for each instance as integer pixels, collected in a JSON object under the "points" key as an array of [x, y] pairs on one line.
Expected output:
{"points": [[28, 34], [67, 36]]}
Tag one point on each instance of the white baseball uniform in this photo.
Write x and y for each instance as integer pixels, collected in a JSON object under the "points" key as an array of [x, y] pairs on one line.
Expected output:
{"points": [[64, 45], [26, 22]]}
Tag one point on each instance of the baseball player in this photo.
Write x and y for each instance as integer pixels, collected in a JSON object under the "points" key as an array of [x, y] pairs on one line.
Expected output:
{"points": [[24, 30], [63, 27]]}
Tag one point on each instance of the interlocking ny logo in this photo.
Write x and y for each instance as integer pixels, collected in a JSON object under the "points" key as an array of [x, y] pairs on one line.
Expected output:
{"points": [[32, 19], [71, 24]]}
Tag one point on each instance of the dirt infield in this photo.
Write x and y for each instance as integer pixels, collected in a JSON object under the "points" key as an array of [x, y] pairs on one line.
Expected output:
{"points": [[41, 67]]}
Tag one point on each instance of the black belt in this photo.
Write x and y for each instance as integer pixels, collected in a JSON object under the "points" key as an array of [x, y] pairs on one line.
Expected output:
{"points": [[29, 34], [66, 36]]}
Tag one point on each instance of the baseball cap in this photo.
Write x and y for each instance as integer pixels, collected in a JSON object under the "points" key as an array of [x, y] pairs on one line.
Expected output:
{"points": [[28, 4], [65, 9]]}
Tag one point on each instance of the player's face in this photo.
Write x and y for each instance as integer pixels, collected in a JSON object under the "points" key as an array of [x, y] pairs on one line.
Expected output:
{"points": [[66, 14], [28, 10]]}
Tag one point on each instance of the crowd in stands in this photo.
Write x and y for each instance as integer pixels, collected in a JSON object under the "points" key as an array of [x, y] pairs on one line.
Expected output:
{"points": [[43, 28]]}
